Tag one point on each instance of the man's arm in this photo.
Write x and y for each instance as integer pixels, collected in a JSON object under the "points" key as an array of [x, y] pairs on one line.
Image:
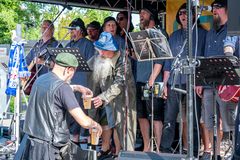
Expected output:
{"points": [[166, 75], [81, 89], [156, 70], [83, 120]]}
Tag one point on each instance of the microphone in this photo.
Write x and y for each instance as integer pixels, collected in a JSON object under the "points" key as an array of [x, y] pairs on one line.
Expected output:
{"points": [[72, 28], [206, 8], [201, 8]]}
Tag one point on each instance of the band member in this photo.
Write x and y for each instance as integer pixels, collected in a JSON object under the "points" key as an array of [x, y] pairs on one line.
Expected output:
{"points": [[231, 45], [174, 98], [145, 74], [122, 19], [109, 93], [93, 30], [47, 40], [110, 25], [50, 103], [214, 47], [78, 34]]}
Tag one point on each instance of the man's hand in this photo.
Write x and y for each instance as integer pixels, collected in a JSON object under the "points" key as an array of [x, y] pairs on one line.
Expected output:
{"points": [[39, 61], [165, 90], [97, 102], [84, 90], [98, 127], [198, 90], [150, 82]]}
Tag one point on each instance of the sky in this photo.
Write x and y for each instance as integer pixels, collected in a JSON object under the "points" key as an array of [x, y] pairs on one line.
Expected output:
{"points": [[135, 19]]}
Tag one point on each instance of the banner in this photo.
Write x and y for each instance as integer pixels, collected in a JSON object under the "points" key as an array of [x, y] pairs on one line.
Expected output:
{"points": [[17, 68], [172, 7]]}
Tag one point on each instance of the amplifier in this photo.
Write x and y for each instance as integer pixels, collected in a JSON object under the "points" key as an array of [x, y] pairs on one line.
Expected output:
{"points": [[127, 155]]}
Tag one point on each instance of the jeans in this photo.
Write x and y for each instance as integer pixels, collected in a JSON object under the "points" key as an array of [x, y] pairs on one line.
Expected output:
{"points": [[237, 135], [170, 117]]}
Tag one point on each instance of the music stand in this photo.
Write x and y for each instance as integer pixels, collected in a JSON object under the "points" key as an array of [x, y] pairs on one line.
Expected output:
{"points": [[83, 66], [150, 45], [213, 72]]}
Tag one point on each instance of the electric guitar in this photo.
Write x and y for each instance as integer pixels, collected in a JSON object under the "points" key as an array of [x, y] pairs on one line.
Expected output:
{"points": [[27, 83], [229, 93]]}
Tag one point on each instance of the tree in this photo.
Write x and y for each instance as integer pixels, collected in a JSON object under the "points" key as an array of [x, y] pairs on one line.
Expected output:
{"points": [[87, 15], [30, 15], [14, 12]]}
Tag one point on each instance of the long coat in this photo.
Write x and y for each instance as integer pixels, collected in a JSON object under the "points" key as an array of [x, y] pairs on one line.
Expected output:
{"points": [[110, 80]]}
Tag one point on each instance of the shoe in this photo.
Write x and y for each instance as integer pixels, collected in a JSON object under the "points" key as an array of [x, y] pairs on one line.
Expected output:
{"points": [[218, 157], [206, 156], [104, 154], [184, 151], [115, 156]]}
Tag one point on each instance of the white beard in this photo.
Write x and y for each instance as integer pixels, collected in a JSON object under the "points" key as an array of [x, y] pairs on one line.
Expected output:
{"points": [[102, 68]]}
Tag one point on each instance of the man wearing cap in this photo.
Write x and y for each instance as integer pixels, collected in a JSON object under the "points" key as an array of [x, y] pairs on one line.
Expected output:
{"points": [[50, 103], [145, 74], [214, 47], [109, 84], [78, 40], [93, 30], [175, 99]]}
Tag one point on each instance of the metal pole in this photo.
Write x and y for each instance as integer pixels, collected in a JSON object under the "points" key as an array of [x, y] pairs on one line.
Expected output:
{"points": [[17, 116], [190, 82]]}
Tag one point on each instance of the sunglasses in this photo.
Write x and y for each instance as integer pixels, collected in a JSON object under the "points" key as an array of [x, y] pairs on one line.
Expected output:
{"points": [[217, 6], [120, 18], [182, 13]]}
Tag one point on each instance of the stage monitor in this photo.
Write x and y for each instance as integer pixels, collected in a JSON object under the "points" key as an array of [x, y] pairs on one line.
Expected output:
{"points": [[233, 27]]}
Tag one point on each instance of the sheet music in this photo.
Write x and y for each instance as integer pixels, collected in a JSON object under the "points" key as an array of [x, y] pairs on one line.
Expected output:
{"points": [[150, 44]]}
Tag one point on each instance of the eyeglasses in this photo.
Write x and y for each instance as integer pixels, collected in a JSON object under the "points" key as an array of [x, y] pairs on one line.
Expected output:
{"points": [[217, 6], [120, 18], [184, 12], [92, 29]]}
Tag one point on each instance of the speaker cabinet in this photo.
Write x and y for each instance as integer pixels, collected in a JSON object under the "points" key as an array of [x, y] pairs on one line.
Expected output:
{"points": [[127, 155]]}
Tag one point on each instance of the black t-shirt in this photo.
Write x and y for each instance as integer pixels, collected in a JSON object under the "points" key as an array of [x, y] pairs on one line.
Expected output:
{"points": [[65, 98]]}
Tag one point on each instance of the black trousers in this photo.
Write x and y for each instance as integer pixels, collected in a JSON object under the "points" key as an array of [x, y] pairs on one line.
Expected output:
{"points": [[170, 117], [36, 149]]}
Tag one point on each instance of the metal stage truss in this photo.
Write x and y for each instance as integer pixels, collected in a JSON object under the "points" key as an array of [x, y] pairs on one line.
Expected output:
{"points": [[113, 5]]}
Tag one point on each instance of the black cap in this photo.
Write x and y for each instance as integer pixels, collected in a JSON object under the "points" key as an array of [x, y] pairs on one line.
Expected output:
{"points": [[183, 6], [78, 22], [94, 24], [222, 3], [154, 12]]}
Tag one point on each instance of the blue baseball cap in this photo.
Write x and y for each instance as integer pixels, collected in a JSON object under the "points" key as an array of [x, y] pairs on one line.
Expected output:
{"points": [[106, 42]]}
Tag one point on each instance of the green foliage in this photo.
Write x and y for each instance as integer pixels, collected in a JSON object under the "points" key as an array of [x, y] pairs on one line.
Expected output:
{"points": [[7, 19], [30, 15], [87, 15]]}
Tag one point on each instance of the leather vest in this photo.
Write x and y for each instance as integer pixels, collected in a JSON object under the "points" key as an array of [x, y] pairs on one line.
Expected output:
{"points": [[44, 120]]}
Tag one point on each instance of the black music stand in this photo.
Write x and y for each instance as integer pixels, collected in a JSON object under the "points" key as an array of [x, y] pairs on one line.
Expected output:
{"points": [[83, 66], [213, 72]]}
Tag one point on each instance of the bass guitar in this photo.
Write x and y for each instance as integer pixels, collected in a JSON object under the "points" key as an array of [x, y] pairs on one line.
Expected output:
{"points": [[229, 93]]}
